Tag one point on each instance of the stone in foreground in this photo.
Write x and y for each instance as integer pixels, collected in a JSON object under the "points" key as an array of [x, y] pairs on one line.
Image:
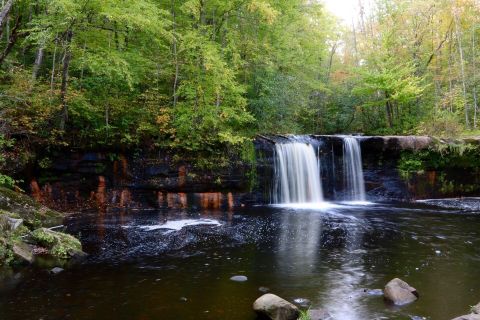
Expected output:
{"points": [[399, 292], [476, 308], [471, 316], [275, 308]]}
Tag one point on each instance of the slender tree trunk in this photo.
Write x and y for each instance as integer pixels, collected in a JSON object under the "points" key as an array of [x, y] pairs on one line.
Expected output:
{"points": [[388, 110], [115, 35], [330, 61], [175, 56], [12, 39], [38, 61], [54, 58], [83, 63], [355, 42], [66, 65], [474, 69], [450, 76], [462, 69], [4, 14]]}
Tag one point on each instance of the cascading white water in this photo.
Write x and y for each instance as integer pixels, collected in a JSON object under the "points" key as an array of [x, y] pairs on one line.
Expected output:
{"points": [[352, 169], [297, 174]]}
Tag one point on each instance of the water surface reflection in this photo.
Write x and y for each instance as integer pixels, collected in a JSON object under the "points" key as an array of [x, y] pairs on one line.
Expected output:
{"points": [[138, 270]]}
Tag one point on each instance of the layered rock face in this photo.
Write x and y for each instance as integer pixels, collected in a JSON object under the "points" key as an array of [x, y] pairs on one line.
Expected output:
{"points": [[102, 179]]}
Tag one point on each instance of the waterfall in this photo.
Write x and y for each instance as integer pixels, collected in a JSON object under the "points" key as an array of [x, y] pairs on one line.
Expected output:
{"points": [[352, 169], [297, 174]]}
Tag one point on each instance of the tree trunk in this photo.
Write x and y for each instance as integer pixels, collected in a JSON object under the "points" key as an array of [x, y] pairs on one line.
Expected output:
{"points": [[330, 61], [54, 58], [66, 65], [388, 111], [175, 57], [474, 69], [38, 61], [11, 40], [4, 14], [462, 69]]}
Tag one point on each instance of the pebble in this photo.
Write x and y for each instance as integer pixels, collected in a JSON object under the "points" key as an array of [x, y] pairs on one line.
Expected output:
{"points": [[56, 270], [239, 278]]}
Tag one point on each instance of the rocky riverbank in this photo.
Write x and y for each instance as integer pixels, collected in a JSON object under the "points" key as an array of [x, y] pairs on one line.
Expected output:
{"points": [[26, 232]]}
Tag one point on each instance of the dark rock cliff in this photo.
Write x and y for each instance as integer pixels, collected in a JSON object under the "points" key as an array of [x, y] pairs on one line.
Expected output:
{"points": [[93, 179]]}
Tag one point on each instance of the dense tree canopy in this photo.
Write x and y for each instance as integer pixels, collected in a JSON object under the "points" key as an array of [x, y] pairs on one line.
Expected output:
{"points": [[205, 76]]}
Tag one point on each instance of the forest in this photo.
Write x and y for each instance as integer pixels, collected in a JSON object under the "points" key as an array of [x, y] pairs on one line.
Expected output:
{"points": [[205, 76]]}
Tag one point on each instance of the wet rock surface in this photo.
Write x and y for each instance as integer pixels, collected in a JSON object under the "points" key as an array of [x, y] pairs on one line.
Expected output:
{"points": [[23, 232], [239, 278], [275, 308], [399, 292], [476, 308], [472, 316]]}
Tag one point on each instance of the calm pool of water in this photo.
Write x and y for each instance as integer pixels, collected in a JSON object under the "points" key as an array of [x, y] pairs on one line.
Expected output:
{"points": [[328, 254]]}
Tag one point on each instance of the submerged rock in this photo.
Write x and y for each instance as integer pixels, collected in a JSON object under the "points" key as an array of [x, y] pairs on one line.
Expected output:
{"points": [[399, 292], [275, 308], [264, 289], [239, 278], [56, 270], [318, 314]]}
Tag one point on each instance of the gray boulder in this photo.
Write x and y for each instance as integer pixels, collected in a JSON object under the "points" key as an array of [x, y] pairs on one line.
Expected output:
{"points": [[476, 308], [475, 315], [471, 316], [399, 292], [275, 308]]}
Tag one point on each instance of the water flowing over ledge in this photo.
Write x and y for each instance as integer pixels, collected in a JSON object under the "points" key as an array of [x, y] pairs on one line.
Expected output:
{"points": [[297, 174], [297, 171]]}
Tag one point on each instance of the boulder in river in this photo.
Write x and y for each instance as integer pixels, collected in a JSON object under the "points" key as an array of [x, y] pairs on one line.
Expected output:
{"points": [[476, 308], [275, 308], [475, 315], [472, 316], [399, 292]]}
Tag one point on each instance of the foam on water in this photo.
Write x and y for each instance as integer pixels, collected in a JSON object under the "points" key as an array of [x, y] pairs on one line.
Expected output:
{"points": [[177, 225]]}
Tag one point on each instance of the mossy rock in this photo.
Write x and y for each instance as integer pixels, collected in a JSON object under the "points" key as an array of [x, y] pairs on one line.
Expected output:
{"points": [[26, 208], [6, 253], [59, 245]]}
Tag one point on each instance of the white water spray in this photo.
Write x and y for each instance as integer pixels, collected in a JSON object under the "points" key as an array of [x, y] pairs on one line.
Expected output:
{"points": [[297, 174]]}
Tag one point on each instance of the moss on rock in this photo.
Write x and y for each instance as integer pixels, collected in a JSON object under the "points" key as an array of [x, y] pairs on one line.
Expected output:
{"points": [[60, 245], [19, 215], [26, 208]]}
